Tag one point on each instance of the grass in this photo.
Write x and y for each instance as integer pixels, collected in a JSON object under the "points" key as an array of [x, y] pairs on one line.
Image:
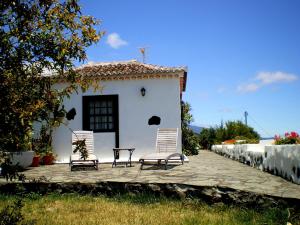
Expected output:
{"points": [[142, 209]]}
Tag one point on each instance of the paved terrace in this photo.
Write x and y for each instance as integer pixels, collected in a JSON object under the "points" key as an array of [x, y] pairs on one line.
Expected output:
{"points": [[205, 169]]}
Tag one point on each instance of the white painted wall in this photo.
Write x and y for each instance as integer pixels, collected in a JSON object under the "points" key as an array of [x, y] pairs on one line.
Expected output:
{"points": [[162, 99], [283, 160], [280, 160]]}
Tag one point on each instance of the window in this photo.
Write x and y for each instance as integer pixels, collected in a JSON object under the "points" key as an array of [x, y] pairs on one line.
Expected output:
{"points": [[100, 113]]}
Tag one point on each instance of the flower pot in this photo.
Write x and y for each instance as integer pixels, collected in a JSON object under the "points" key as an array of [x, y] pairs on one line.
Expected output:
{"points": [[23, 159], [48, 159], [35, 161]]}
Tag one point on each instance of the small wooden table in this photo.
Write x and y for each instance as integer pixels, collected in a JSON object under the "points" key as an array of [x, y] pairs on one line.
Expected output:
{"points": [[117, 155]]}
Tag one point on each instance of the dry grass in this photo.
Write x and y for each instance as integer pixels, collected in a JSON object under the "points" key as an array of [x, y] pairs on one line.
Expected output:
{"points": [[73, 209]]}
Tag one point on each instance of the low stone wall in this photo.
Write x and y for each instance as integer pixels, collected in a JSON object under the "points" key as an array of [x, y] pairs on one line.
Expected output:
{"points": [[280, 160], [208, 194], [284, 161]]}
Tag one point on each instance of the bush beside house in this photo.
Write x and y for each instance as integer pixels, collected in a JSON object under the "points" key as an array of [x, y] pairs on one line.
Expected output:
{"points": [[190, 141]]}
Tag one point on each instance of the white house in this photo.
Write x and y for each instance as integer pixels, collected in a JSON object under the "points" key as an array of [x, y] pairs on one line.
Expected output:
{"points": [[133, 92]]}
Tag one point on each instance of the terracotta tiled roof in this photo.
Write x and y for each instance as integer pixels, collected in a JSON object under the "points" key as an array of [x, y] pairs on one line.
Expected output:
{"points": [[131, 67]]}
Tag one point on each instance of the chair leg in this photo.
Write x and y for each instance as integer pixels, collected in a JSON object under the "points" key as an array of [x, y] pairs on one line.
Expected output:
{"points": [[159, 164]]}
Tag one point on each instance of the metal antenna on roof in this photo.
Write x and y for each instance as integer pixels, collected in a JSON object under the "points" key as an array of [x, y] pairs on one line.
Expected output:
{"points": [[143, 52]]}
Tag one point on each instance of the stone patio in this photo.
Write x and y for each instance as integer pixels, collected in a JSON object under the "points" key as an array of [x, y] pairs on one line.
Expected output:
{"points": [[206, 169]]}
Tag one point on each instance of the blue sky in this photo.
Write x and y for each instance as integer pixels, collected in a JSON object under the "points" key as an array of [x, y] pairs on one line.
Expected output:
{"points": [[241, 55]]}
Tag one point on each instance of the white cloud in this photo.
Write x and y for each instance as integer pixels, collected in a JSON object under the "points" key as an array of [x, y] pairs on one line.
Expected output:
{"points": [[266, 78], [115, 41], [252, 87], [275, 77]]}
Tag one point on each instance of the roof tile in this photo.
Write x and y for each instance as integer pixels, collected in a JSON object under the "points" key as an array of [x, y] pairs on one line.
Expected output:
{"points": [[131, 67]]}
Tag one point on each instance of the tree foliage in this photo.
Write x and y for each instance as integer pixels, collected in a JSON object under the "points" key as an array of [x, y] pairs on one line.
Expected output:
{"points": [[35, 37], [236, 130], [207, 138], [190, 141], [231, 130]]}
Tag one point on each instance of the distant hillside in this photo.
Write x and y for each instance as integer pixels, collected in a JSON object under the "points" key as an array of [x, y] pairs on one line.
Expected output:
{"points": [[196, 129]]}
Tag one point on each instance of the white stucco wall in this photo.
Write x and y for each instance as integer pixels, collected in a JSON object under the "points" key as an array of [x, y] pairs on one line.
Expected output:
{"points": [[280, 160], [162, 99]]}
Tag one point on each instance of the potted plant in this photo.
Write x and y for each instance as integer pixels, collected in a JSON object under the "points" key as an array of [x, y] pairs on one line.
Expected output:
{"points": [[21, 153], [37, 148], [48, 158], [43, 148], [36, 161]]}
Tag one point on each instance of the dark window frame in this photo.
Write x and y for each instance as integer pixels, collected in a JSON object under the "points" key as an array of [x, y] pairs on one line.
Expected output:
{"points": [[87, 116]]}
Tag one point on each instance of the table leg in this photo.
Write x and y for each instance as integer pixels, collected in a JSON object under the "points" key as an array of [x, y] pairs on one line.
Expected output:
{"points": [[130, 158]]}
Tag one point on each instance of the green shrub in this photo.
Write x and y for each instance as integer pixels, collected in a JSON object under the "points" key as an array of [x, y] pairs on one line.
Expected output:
{"points": [[190, 141], [12, 214], [207, 138], [236, 130], [245, 140], [230, 132]]}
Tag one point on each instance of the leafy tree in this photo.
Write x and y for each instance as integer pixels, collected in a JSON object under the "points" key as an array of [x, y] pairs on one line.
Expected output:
{"points": [[190, 141], [236, 130], [37, 36], [207, 138], [220, 133], [231, 130]]}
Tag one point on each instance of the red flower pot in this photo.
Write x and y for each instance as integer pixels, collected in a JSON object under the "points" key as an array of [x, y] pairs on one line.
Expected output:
{"points": [[48, 159], [35, 161]]}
